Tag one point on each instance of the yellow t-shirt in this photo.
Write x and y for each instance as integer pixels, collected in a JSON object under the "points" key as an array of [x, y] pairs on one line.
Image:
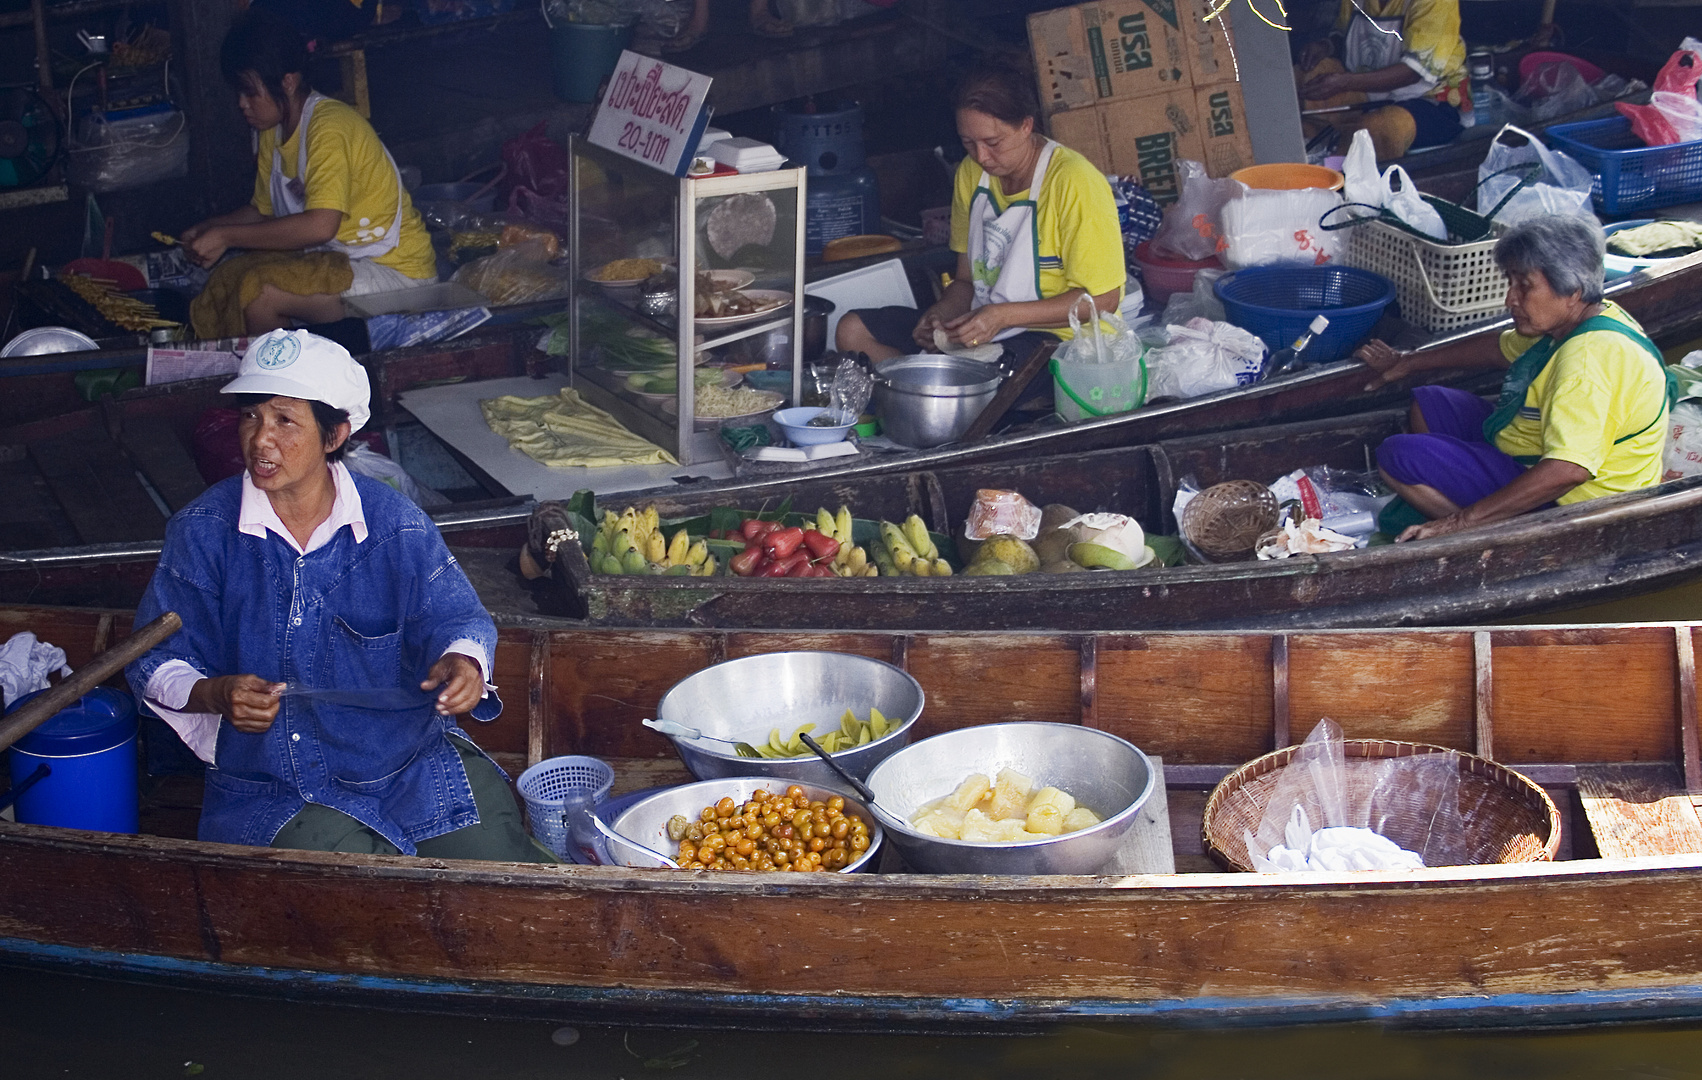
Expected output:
{"points": [[348, 171], [1598, 387], [1081, 244]]}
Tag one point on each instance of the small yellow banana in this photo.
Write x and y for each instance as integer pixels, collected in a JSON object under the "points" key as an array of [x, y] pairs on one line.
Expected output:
{"points": [[856, 560], [842, 525], [697, 553], [824, 523], [655, 548], [942, 568], [916, 531], [678, 548]]}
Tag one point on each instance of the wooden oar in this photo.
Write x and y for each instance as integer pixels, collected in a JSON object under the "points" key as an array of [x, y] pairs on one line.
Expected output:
{"points": [[33, 713]]}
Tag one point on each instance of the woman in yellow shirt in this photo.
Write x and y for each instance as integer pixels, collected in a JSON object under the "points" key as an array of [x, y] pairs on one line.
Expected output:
{"points": [[325, 190], [1034, 225], [1582, 411]]}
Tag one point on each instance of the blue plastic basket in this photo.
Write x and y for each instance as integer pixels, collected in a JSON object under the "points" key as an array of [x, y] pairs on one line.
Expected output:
{"points": [[1278, 303], [1629, 175]]}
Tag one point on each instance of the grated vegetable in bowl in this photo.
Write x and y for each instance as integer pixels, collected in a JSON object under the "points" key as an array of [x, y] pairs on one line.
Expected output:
{"points": [[719, 402]]}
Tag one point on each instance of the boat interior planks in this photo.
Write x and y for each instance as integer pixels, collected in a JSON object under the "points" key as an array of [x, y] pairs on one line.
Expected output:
{"points": [[1579, 939]]}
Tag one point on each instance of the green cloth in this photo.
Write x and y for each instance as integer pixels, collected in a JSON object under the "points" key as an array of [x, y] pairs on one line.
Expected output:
{"points": [[1531, 362], [499, 836], [1397, 516]]}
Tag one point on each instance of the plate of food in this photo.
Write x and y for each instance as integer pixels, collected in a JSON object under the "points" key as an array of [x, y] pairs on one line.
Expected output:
{"points": [[664, 385], [626, 273], [717, 406], [740, 306]]}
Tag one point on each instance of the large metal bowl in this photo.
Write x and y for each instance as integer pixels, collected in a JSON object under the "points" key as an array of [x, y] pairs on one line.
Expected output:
{"points": [[1108, 775], [646, 821], [745, 699], [931, 399]]}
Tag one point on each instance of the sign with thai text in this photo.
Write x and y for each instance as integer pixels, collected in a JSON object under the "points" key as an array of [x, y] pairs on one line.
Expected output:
{"points": [[652, 112]]}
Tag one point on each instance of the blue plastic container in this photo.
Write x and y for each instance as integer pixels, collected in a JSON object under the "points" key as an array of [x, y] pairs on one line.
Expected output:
{"points": [[844, 196], [91, 750], [1629, 175], [582, 55], [1278, 303]]}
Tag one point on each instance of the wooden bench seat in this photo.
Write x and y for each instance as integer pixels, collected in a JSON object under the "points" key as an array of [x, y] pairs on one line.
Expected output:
{"points": [[1630, 815]]}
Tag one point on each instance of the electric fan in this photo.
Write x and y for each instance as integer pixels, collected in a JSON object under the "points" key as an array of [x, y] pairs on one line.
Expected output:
{"points": [[31, 141]]}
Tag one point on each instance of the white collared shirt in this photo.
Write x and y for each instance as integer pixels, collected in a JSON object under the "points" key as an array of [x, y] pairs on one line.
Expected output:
{"points": [[168, 689]]}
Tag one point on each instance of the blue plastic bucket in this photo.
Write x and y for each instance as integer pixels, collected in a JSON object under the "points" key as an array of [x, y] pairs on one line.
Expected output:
{"points": [[582, 55], [90, 751]]}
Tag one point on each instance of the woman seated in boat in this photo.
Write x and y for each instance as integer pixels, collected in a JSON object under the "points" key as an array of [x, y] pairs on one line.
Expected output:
{"points": [[1407, 53], [329, 217], [300, 573], [1034, 225], [1582, 411]]}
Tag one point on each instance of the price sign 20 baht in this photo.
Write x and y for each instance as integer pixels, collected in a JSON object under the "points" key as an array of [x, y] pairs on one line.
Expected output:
{"points": [[652, 112]]}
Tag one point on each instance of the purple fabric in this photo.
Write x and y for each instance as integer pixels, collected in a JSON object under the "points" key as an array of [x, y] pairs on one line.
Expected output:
{"points": [[1453, 457]]}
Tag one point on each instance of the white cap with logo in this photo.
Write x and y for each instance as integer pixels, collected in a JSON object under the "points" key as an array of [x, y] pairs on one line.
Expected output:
{"points": [[295, 363]]}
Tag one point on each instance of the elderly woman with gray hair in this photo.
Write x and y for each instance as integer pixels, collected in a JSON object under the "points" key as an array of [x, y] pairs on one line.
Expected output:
{"points": [[1582, 409]]}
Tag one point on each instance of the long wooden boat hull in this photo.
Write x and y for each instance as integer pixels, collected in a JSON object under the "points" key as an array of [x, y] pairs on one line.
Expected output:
{"points": [[1563, 557], [1585, 938]]}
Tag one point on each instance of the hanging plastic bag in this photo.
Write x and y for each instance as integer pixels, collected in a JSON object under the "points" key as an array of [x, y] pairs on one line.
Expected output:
{"points": [[1673, 114], [1200, 303], [1098, 372], [1403, 201], [1204, 357], [1193, 225], [1562, 188], [1263, 227], [1364, 185]]}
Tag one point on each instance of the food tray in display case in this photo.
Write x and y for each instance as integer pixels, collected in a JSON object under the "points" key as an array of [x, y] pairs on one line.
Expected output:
{"points": [[742, 236]]}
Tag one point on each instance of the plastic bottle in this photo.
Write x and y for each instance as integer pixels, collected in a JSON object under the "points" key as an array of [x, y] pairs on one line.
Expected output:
{"points": [[1287, 359], [1480, 67]]}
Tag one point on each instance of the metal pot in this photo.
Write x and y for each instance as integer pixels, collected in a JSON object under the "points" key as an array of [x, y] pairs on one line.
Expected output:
{"points": [[774, 347], [931, 399]]}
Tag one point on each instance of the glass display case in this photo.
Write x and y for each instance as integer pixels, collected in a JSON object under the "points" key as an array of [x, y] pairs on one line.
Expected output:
{"points": [[656, 347]]}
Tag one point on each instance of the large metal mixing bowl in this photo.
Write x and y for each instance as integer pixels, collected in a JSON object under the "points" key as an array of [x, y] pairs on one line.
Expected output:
{"points": [[747, 698], [931, 399], [646, 821], [1108, 775]]}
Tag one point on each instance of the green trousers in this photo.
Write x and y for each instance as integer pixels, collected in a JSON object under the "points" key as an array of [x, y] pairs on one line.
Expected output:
{"points": [[500, 834]]}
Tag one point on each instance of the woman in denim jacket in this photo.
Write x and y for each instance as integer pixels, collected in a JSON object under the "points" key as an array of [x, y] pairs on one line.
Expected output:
{"points": [[301, 574]]}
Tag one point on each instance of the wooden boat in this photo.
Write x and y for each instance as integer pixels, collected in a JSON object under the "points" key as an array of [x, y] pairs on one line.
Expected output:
{"points": [[1562, 557], [1604, 717]]}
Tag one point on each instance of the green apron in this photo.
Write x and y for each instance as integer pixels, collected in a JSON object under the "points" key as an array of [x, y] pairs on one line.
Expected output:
{"points": [[1398, 514]]}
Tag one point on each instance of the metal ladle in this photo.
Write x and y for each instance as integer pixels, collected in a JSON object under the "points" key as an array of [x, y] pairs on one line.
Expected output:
{"points": [[857, 785]]}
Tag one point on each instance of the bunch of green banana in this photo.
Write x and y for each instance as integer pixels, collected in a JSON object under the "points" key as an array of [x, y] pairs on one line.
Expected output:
{"points": [[632, 542], [852, 732], [850, 560], [908, 550]]}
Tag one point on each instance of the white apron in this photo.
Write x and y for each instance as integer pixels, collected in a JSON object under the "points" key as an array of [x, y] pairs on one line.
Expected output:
{"points": [[1373, 44], [290, 196], [1004, 249]]}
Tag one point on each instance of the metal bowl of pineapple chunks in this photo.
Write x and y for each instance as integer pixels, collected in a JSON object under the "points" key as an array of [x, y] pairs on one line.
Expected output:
{"points": [[1016, 798], [764, 701]]}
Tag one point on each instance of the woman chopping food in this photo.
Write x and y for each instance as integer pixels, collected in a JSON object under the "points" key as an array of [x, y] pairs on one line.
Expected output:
{"points": [[1035, 228], [1582, 411], [329, 217], [329, 639]]}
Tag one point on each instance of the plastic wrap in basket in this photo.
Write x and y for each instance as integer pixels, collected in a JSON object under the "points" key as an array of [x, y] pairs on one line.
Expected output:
{"points": [[1225, 520], [1629, 175], [1278, 303], [1512, 820]]}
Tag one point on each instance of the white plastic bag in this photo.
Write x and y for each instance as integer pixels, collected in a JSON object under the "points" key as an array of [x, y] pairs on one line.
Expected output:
{"points": [[1363, 184], [1263, 227], [1098, 371], [1403, 201], [1563, 187], [369, 462], [1683, 454], [1200, 303], [1193, 224], [1203, 357], [1094, 343]]}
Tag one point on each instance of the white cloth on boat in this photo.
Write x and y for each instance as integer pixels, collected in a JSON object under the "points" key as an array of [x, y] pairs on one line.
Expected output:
{"points": [[25, 664], [1332, 850], [168, 690]]}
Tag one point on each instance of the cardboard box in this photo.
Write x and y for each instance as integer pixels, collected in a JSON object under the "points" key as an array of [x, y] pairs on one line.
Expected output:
{"points": [[1210, 45], [1144, 137], [1228, 145], [1113, 49]]}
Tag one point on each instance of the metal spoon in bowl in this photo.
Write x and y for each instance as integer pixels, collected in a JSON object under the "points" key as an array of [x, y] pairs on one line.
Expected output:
{"points": [[668, 727], [856, 785], [610, 834]]}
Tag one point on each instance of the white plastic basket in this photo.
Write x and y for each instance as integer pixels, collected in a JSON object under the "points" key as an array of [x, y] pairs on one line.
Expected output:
{"points": [[544, 787], [1440, 287]]}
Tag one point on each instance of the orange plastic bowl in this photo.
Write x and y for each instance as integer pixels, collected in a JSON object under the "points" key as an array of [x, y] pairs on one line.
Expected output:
{"points": [[1285, 176]]}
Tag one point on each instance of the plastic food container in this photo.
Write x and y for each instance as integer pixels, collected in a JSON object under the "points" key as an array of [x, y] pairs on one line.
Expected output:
{"points": [[89, 750], [1162, 275]]}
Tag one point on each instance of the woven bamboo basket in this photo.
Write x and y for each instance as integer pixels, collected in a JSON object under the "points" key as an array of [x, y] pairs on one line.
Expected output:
{"points": [[1517, 821], [1225, 520]]}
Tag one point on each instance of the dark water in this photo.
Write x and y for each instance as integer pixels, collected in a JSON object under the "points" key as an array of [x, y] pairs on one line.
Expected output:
{"points": [[61, 1026]]}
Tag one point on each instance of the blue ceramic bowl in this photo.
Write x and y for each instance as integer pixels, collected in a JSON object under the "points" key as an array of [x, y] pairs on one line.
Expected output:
{"points": [[795, 423]]}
